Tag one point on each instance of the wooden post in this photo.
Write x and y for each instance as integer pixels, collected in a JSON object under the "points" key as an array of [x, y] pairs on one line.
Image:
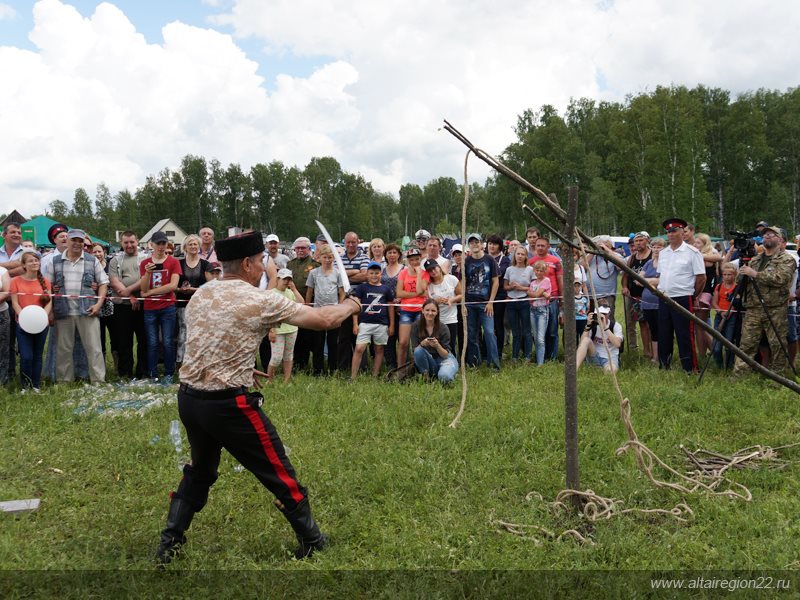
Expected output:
{"points": [[570, 347]]}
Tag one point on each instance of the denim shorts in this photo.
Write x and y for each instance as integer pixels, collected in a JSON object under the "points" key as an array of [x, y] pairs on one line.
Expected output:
{"points": [[409, 318], [599, 361]]}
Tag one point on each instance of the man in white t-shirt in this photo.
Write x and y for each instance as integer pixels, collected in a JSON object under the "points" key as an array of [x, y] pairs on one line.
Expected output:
{"points": [[682, 278], [273, 251]]}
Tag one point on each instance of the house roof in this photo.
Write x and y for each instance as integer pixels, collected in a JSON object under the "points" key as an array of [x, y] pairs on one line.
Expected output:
{"points": [[13, 217], [179, 232]]}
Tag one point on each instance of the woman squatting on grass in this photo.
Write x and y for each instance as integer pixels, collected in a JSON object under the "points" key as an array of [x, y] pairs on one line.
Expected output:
{"points": [[30, 289], [431, 342]]}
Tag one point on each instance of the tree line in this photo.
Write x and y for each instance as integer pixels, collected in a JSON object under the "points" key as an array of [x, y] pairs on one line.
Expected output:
{"points": [[719, 162]]}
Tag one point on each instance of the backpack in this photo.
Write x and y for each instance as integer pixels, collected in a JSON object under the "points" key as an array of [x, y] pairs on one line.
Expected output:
{"points": [[402, 373]]}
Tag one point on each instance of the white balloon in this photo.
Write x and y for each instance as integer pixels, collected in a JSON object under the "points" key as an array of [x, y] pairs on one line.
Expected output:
{"points": [[33, 319]]}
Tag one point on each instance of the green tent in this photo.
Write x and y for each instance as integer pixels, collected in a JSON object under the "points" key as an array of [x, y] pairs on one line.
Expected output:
{"points": [[36, 230]]}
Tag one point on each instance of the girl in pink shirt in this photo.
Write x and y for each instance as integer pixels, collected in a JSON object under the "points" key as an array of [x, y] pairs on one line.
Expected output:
{"points": [[539, 292]]}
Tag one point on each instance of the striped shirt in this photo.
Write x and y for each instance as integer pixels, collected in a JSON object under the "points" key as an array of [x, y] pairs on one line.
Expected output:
{"points": [[73, 276]]}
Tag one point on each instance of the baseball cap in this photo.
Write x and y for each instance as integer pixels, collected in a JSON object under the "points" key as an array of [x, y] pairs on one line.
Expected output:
{"points": [[643, 234], [413, 252], [474, 236], [374, 265], [457, 248], [158, 237], [603, 310], [775, 230], [80, 233], [430, 264], [284, 274], [272, 238]]}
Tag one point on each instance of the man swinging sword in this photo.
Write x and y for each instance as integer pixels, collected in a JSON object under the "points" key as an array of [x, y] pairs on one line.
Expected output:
{"points": [[214, 403]]}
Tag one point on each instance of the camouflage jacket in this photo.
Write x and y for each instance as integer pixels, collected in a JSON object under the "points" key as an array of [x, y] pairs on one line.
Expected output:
{"points": [[775, 275]]}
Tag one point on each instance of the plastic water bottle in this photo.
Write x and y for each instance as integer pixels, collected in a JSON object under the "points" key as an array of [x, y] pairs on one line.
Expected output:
{"points": [[177, 441]]}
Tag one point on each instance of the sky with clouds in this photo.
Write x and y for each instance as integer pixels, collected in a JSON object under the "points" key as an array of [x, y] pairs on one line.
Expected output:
{"points": [[112, 92]]}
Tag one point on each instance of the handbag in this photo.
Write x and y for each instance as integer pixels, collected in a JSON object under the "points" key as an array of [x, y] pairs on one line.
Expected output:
{"points": [[402, 373], [107, 309]]}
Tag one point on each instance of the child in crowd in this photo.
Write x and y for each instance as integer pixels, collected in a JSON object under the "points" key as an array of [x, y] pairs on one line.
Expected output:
{"points": [[732, 326], [324, 287], [282, 338], [412, 287], [539, 292], [581, 309], [30, 289], [376, 322]]}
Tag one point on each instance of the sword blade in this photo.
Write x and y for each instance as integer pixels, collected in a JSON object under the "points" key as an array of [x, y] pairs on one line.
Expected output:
{"points": [[336, 258]]}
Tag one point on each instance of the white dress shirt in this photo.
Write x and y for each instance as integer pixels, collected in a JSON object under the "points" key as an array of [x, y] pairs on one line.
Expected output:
{"points": [[679, 269]]}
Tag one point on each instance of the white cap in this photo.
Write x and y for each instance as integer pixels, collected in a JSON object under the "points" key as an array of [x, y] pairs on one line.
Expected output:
{"points": [[272, 238], [284, 273], [457, 248], [603, 310]]}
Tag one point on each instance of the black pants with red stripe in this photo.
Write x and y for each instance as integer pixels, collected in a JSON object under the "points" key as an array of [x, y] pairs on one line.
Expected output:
{"points": [[235, 422], [670, 323]]}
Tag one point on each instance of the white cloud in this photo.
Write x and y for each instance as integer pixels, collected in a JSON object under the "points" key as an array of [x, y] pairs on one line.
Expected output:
{"points": [[96, 102], [7, 11], [481, 64]]}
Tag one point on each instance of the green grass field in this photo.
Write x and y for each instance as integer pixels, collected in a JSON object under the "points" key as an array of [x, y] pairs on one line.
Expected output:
{"points": [[397, 490]]}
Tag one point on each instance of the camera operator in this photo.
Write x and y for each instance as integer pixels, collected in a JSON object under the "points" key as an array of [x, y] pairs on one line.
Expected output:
{"points": [[599, 325], [772, 270]]}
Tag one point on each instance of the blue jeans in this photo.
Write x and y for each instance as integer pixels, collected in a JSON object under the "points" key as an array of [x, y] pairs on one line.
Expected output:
{"points": [[540, 319], [731, 330], [519, 318], [31, 347], [436, 366], [551, 340], [165, 320], [477, 318]]}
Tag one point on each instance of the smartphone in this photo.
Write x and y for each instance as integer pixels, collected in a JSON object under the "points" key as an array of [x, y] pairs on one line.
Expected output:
{"points": [[158, 266]]}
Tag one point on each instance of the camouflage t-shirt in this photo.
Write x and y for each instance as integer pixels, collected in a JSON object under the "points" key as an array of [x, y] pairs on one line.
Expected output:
{"points": [[225, 322]]}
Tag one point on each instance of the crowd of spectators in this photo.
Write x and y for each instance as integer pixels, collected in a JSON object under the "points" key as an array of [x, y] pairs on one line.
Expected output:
{"points": [[134, 302]]}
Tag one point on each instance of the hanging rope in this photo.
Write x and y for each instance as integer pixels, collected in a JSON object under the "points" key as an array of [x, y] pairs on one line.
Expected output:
{"points": [[463, 304]]}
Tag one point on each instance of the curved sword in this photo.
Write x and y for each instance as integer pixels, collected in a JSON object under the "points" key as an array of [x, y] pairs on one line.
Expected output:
{"points": [[336, 258]]}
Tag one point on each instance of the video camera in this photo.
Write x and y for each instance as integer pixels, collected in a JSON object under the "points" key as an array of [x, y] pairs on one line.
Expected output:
{"points": [[745, 243]]}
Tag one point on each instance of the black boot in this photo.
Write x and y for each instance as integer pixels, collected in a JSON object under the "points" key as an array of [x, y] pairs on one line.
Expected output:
{"points": [[178, 520], [306, 529]]}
